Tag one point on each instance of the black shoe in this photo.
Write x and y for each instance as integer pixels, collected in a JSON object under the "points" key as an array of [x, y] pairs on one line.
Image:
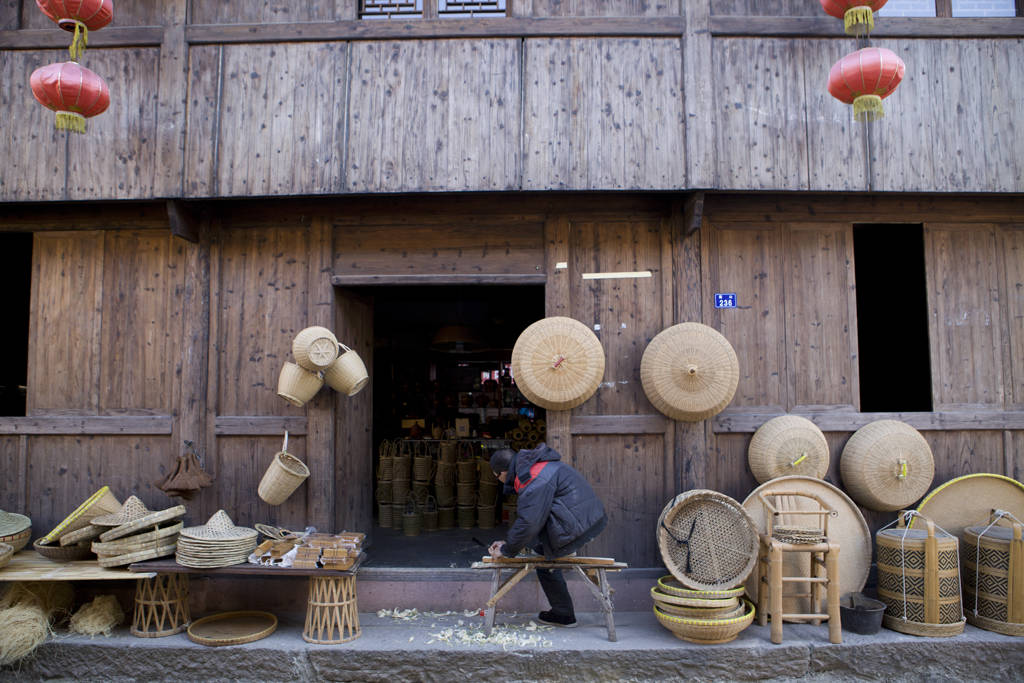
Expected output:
{"points": [[556, 619]]}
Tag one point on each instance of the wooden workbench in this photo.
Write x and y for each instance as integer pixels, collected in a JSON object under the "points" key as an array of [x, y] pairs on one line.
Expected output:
{"points": [[592, 569]]}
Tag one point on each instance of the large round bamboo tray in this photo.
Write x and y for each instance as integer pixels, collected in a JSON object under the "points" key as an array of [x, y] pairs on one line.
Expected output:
{"points": [[137, 542], [18, 540], [685, 601], [63, 553], [347, 374], [701, 612], [232, 628], [887, 465], [689, 372], [6, 553], [966, 500], [139, 555], [707, 540], [788, 444], [706, 631], [315, 348], [297, 385], [848, 528], [671, 586], [100, 503], [558, 363], [149, 521]]}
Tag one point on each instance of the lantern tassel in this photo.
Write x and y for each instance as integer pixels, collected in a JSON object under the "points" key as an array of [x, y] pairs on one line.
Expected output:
{"points": [[69, 120], [859, 20], [79, 41], [868, 108]]}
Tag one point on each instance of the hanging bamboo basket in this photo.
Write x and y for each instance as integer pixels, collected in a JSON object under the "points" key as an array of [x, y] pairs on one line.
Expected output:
{"points": [[297, 385], [285, 474], [315, 348], [347, 374]]}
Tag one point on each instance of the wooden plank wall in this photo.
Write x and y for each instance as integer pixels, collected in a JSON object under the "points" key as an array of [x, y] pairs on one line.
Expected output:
{"points": [[595, 8]]}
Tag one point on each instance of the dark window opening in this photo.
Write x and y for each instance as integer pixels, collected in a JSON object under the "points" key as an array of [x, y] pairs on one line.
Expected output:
{"points": [[892, 318], [16, 284]]}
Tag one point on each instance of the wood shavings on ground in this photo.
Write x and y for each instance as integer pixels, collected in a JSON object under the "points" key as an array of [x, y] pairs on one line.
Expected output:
{"points": [[413, 614], [508, 637]]}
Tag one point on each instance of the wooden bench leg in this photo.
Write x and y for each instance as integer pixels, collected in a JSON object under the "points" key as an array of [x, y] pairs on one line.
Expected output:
{"points": [[497, 593], [489, 612], [603, 594]]}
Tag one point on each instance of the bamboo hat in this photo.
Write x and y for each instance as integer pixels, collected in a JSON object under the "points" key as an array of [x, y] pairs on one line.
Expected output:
{"points": [[102, 502], [558, 363], [887, 465], [788, 444], [219, 528], [138, 542], [689, 372], [12, 523], [135, 516]]}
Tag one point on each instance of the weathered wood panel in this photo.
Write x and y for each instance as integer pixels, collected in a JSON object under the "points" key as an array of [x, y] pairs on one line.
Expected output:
{"points": [[766, 8], [34, 152], [1015, 449], [261, 305], [125, 14], [595, 8], [427, 115], [729, 472], [964, 317], [12, 464], [748, 261], [603, 114], [1012, 294], [67, 293], [759, 114], [262, 11], [241, 463], [10, 16], [960, 453], [632, 478], [950, 126], [116, 158], [461, 248], [280, 130], [625, 313], [821, 327]]}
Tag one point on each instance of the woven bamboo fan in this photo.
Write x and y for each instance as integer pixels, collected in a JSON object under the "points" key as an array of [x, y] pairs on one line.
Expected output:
{"points": [[707, 540], [887, 465], [558, 363], [788, 444], [689, 372]]}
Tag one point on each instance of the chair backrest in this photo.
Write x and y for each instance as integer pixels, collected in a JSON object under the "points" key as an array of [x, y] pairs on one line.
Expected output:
{"points": [[795, 509]]}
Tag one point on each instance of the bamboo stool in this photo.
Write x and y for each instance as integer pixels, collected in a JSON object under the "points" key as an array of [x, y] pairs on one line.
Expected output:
{"points": [[161, 606], [331, 614], [824, 564]]}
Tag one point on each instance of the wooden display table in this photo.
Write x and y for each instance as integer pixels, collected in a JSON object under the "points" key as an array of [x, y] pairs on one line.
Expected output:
{"points": [[28, 565], [331, 613], [592, 569]]}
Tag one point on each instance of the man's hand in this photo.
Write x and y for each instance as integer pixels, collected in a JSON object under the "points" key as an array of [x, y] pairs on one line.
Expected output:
{"points": [[495, 549]]}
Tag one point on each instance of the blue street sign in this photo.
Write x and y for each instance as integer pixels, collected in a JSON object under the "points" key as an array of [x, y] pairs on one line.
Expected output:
{"points": [[725, 300]]}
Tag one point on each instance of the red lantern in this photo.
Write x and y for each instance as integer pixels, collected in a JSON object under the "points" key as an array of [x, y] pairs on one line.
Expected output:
{"points": [[857, 15], [72, 91], [79, 16], [863, 78]]}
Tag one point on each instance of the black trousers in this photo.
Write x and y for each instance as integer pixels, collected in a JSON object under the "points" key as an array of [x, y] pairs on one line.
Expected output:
{"points": [[552, 582]]}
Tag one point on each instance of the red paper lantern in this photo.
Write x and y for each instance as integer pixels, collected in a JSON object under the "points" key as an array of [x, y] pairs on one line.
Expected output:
{"points": [[72, 91], [857, 15], [79, 16], [863, 78]]}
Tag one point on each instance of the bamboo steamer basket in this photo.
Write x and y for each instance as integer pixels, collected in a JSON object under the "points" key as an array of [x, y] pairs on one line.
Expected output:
{"points": [[993, 569], [788, 444], [285, 474], [347, 373], [887, 465], [706, 631], [315, 348], [297, 385], [919, 580]]}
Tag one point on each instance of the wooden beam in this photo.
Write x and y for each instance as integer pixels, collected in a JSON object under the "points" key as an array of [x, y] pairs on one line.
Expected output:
{"points": [[944, 8], [430, 279], [98, 424], [693, 213], [887, 27], [258, 425], [849, 421], [111, 36], [618, 424], [172, 100], [182, 223], [83, 216]]}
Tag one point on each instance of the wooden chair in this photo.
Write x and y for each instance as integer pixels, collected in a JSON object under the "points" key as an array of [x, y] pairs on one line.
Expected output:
{"points": [[783, 512]]}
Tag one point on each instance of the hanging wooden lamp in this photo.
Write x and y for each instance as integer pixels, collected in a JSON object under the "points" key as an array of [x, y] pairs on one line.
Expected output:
{"points": [[858, 15], [863, 78], [78, 17], [72, 91]]}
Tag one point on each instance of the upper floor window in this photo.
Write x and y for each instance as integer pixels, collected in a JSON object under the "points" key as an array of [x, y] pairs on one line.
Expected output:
{"points": [[418, 9], [958, 8]]}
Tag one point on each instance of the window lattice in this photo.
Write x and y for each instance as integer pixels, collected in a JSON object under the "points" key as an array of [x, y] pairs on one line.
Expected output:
{"points": [[385, 9], [453, 8]]}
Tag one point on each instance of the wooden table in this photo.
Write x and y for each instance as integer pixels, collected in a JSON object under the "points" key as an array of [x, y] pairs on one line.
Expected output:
{"points": [[592, 569], [332, 615], [28, 565]]}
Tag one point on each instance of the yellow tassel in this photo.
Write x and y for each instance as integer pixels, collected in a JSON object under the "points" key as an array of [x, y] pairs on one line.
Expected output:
{"points": [[857, 18], [79, 41], [69, 120], [867, 108]]}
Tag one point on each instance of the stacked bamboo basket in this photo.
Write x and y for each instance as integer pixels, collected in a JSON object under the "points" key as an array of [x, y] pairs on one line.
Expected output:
{"points": [[320, 359]]}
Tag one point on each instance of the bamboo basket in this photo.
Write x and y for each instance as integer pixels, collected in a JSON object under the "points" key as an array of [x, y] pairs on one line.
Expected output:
{"points": [[671, 586], [402, 466], [919, 580], [447, 452], [332, 614], [488, 494], [383, 493], [161, 606], [412, 518], [347, 373], [63, 553], [18, 540], [285, 474], [6, 553], [446, 517], [706, 631], [399, 490], [993, 575], [385, 517], [788, 444], [420, 491], [423, 467], [486, 474], [315, 348], [485, 516], [397, 510], [430, 514], [466, 472], [465, 494], [466, 516], [445, 474], [297, 385]]}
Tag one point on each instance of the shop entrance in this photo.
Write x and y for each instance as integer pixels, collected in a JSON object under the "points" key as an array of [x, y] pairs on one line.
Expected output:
{"points": [[444, 398]]}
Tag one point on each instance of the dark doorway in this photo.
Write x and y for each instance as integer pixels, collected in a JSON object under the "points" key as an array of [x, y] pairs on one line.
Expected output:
{"points": [[16, 284], [892, 318]]}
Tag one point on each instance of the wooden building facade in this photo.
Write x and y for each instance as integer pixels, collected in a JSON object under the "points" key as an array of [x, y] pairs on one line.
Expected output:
{"points": [[265, 165]]}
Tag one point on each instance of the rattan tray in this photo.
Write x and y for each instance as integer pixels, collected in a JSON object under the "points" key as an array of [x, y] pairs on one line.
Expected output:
{"points": [[968, 501], [232, 628]]}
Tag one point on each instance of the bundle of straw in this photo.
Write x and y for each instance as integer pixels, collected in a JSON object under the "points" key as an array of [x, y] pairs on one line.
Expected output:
{"points": [[27, 611], [96, 617]]}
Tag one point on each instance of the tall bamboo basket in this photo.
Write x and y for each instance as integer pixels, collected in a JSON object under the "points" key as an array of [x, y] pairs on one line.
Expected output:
{"points": [[466, 494], [485, 516], [446, 517], [445, 495], [423, 467], [297, 385], [347, 373], [447, 452], [430, 514], [466, 515], [488, 493], [993, 566], [466, 472], [445, 475], [919, 580], [399, 490], [315, 348], [887, 465], [285, 474], [412, 518], [385, 515], [161, 606], [332, 615]]}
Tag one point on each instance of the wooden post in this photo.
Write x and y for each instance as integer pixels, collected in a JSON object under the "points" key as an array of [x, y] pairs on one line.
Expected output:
{"points": [[775, 591], [172, 95], [835, 626]]}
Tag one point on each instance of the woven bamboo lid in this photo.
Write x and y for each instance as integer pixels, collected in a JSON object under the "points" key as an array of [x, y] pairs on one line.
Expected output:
{"points": [[689, 372], [969, 500], [13, 523], [707, 541], [788, 444], [558, 363], [887, 465]]}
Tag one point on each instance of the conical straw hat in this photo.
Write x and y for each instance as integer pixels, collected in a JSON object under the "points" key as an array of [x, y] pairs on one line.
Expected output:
{"points": [[12, 523], [219, 528], [557, 363], [689, 372], [132, 510], [887, 465], [100, 503], [788, 444]]}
